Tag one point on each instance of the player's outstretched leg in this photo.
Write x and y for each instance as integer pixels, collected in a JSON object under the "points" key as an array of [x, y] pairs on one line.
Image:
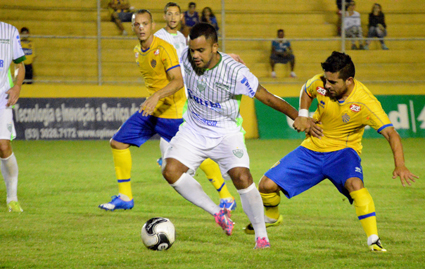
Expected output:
{"points": [[365, 210], [122, 162], [271, 217], [213, 173], [9, 170], [223, 220]]}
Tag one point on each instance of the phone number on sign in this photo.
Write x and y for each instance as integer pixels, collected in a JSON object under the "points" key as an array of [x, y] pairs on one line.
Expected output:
{"points": [[50, 133]]}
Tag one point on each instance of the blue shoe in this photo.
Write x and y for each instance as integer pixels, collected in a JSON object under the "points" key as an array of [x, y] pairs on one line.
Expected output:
{"points": [[228, 203], [117, 203], [159, 162]]}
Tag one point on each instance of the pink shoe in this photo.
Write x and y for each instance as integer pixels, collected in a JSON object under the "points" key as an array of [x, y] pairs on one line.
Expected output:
{"points": [[261, 243], [222, 218]]}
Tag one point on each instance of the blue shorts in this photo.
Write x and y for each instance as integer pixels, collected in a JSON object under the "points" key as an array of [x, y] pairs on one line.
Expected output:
{"points": [[302, 169], [137, 129]]}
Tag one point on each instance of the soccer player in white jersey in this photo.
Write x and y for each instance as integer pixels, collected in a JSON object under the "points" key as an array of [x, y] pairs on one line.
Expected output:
{"points": [[10, 50], [212, 128], [173, 18]]}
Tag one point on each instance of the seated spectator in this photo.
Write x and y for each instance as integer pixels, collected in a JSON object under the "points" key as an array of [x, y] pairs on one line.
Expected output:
{"points": [[353, 26], [120, 11], [282, 53], [339, 13], [209, 17], [29, 50], [376, 26], [190, 18]]}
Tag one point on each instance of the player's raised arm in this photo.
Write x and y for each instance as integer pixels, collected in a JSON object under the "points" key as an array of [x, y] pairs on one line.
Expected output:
{"points": [[175, 84], [303, 123], [400, 169], [275, 102]]}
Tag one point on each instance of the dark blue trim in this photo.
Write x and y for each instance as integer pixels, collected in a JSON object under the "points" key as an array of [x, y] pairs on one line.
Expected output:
{"points": [[383, 127], [341, 101], [373, 214], [144, 50], [172, 68], [219, 189], [123, 180]]}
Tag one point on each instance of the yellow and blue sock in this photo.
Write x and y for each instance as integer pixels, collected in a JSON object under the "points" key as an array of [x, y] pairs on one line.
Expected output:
{"points": [[122, 162], [365, 210], [213, 173], [271, 203]]}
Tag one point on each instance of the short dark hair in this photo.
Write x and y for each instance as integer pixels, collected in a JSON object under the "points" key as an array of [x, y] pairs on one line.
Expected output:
{"points": [[203, 29], [171, 4], [140, 11], [24, 29], [340, 62], [192, 4], [280, 30]]}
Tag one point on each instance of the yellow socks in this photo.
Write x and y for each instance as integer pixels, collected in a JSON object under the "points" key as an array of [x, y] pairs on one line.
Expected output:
{"points": [[122, 162], [365, 210], [213, 173], [271, 203]]}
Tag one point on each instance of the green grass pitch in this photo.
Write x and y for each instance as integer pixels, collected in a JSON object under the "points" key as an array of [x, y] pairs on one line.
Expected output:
{"points": [[61, 183]]}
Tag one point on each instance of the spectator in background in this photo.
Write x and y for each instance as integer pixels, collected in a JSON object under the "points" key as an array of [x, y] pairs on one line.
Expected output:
{"points": [[339, 13], [29, 50], [190, 18], [376, 26], [282, 53], [120, 12], [209, 17], [353, 25]]}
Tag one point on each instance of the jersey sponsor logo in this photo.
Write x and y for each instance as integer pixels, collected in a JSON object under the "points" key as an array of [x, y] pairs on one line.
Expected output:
{"points": [[222, 86], [153, 63], [28, 51], [204, 121], [156, 52], [355, 108], [345, 118], [358, 170], [322, 103], [238, 153], [209, 104], [245, 82], [321, 91]]}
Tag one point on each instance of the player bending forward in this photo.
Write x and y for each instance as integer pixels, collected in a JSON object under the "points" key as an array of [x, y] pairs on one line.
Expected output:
{"points": [[345, 107], [212, 128]]}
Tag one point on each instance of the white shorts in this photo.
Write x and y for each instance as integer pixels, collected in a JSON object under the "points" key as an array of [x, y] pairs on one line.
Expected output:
{"points": [[192, 149], [7, 128]]}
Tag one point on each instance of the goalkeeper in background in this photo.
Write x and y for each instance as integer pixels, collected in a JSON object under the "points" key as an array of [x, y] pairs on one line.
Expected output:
{"points": [[345, 107]]}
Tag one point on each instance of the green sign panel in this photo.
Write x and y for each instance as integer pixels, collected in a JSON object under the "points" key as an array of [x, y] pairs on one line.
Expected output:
{"points": [[406, 112]]}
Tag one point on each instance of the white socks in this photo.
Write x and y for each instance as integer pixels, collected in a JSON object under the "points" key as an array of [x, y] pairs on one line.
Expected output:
{"points": [[192, 191], [9, 170], [252, 205]]}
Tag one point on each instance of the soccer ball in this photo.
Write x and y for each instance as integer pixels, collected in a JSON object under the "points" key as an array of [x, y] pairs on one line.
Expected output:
{"points": [[158, 234]]}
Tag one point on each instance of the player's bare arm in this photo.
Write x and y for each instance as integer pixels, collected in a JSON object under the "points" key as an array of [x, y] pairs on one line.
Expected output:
{"points": [[175, 84], [275, 102], [16, 90], [400, 170], [303, 123]]}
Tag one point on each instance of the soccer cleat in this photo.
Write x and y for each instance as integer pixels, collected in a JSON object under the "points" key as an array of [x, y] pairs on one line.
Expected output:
{"points": [[384, 47], [261, 243], [293, 75], [377, 246], [14, 206], [117, 203], [273, 74], [222, 218], [228, 203], [250, 230], [159, 161]]}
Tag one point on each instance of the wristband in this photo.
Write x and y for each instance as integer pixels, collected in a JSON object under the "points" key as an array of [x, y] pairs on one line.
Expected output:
{"points": [[303, 113]]}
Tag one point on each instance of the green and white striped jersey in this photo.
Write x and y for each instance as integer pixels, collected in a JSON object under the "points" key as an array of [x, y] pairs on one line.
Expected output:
{"points": [[214, 96], [10, 49]]}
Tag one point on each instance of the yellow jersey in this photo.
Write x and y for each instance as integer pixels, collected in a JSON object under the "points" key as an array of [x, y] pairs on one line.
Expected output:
{"points": [[29, 50], [154, 63], [343, 122]]}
